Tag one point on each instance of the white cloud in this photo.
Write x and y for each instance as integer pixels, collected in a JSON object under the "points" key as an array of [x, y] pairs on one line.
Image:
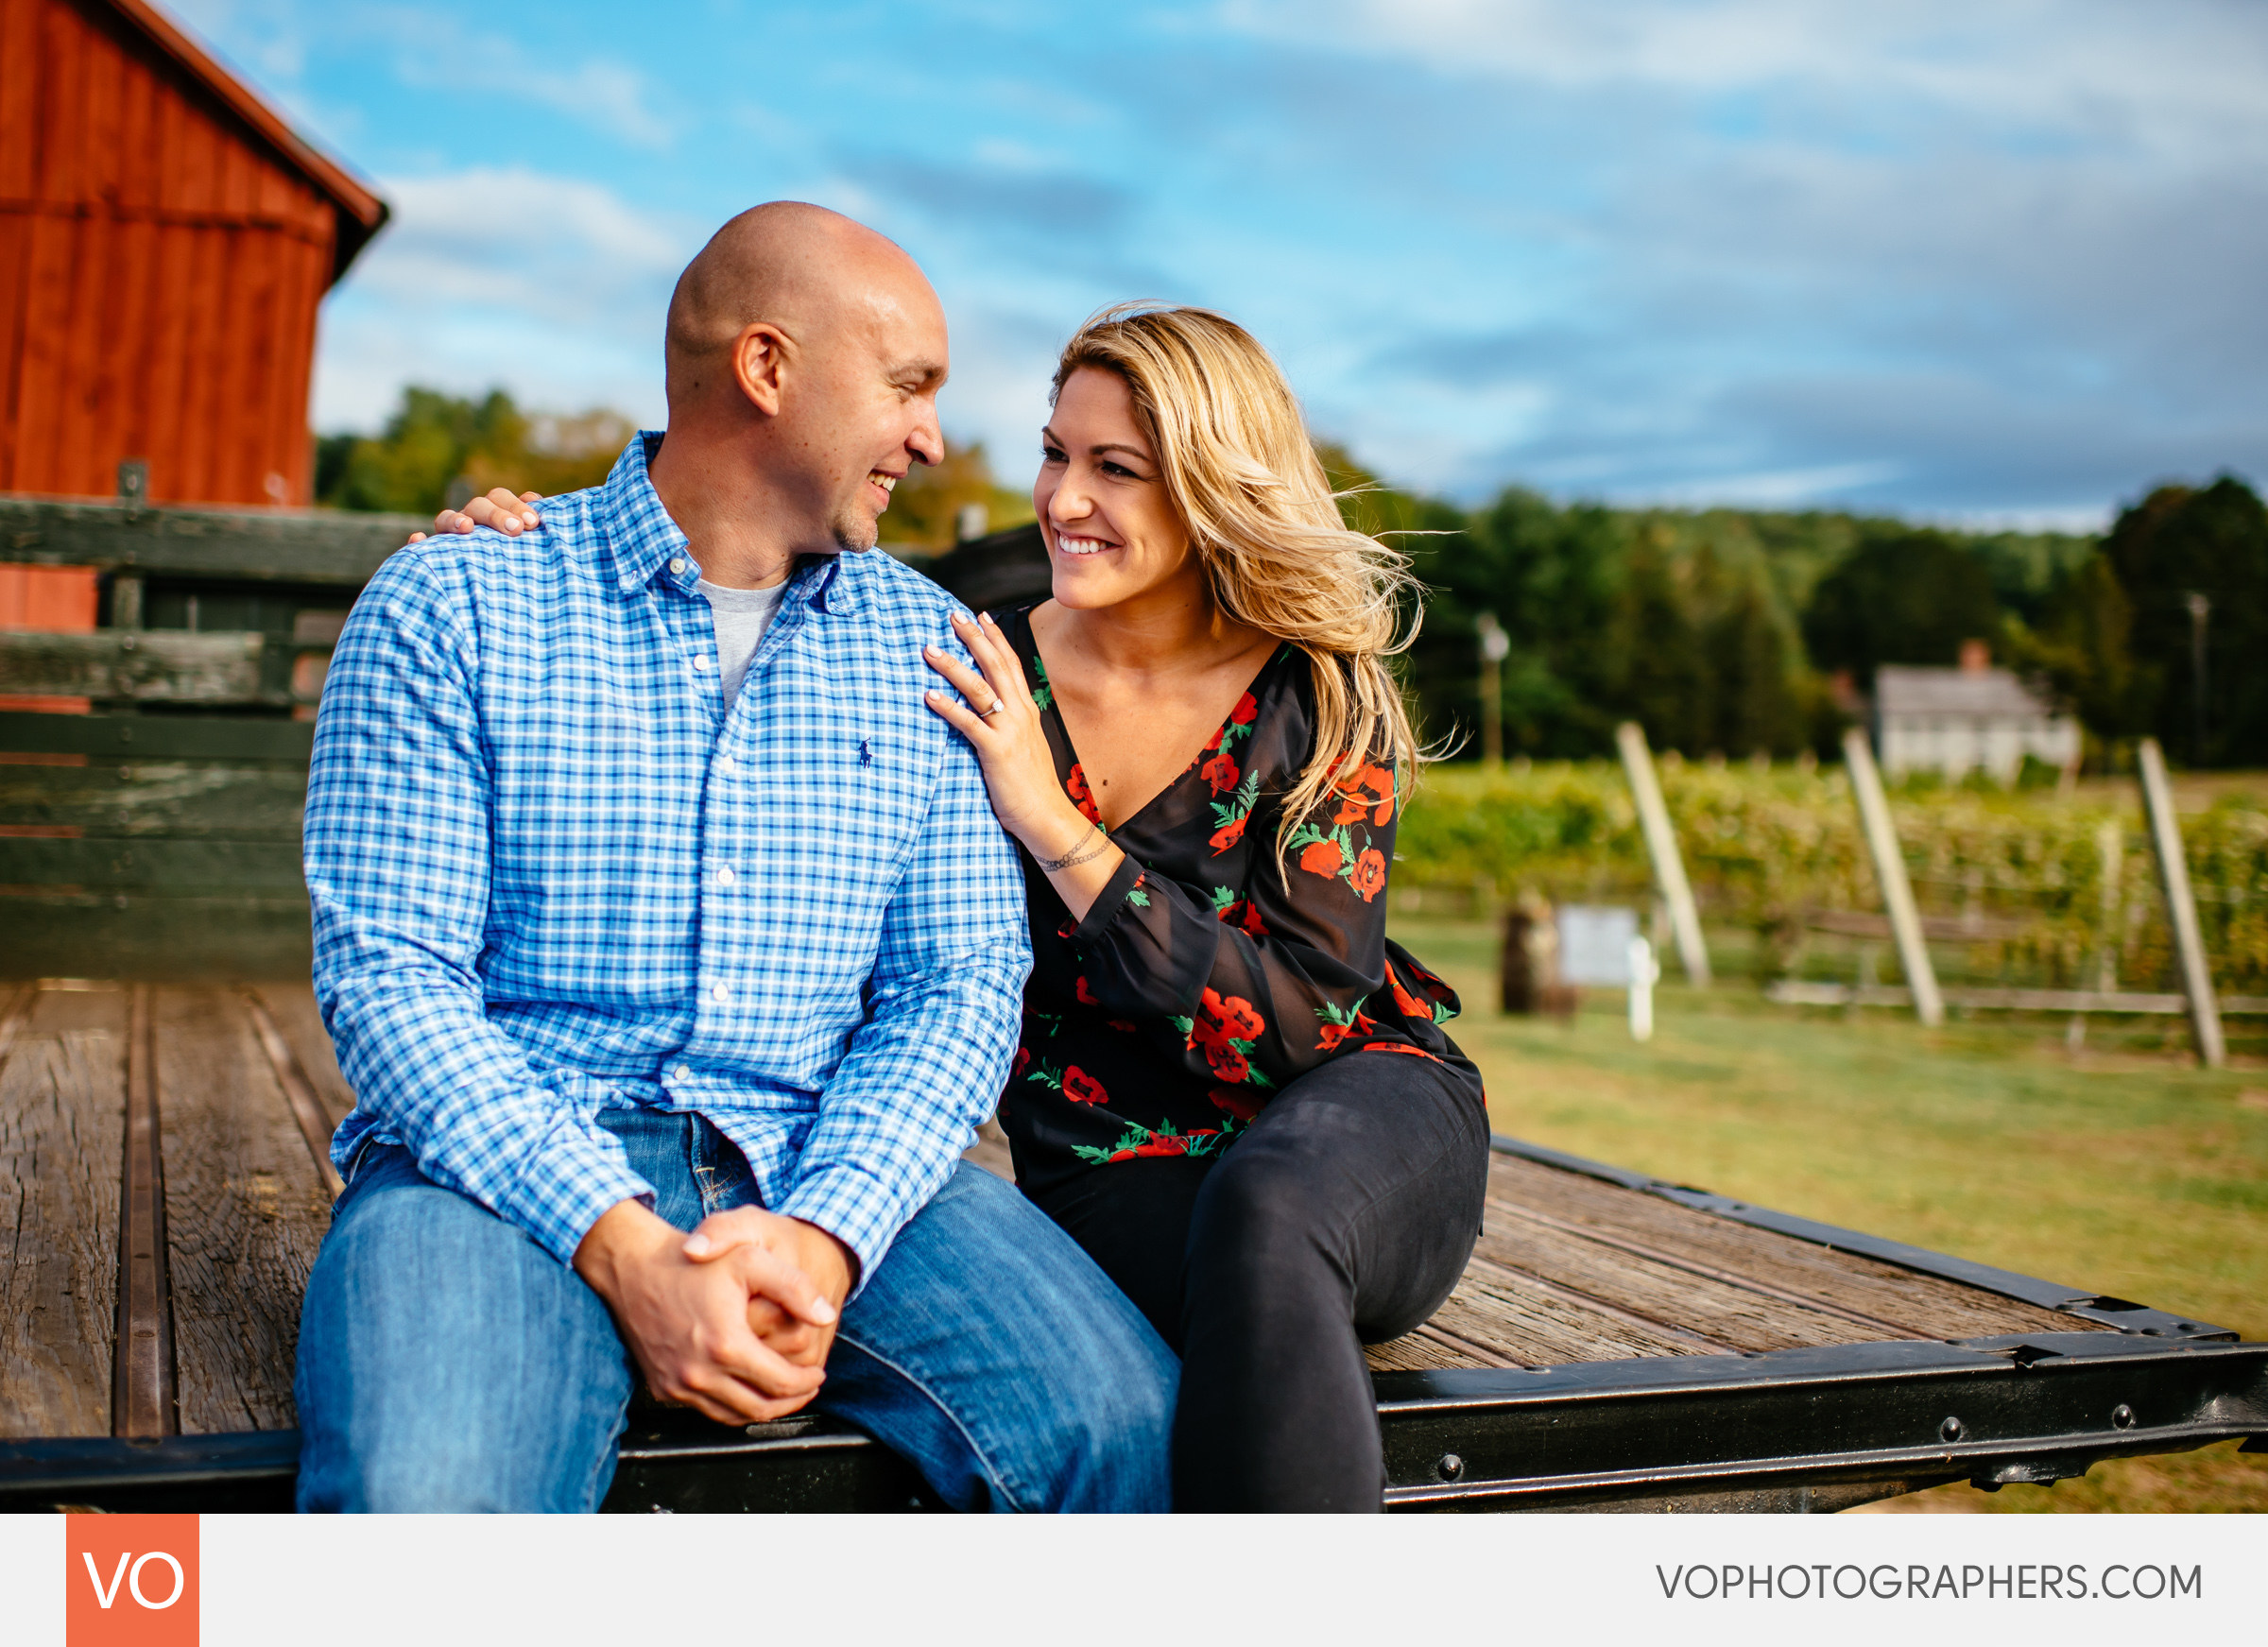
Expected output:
{"points": [[436, 49], [552, 286], [432, 49], [1782, 489], [2189, 66]]}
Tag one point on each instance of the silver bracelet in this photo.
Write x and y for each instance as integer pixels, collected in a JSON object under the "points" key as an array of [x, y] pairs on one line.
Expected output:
{"points": [[1075, 856]]}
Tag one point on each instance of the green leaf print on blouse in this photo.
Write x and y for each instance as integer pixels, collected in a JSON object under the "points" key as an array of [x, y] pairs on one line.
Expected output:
{"points": [[1226, 1028], [1073, 1082], [1142, 1141], [1043, 695], [1366, 802], [1228, 816], [1341, 1022]]}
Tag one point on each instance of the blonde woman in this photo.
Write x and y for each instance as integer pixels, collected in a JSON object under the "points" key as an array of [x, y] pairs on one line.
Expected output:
{"points": [[1232, 1091]]}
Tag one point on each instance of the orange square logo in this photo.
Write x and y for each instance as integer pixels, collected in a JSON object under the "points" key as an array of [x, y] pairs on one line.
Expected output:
{"points": [[131, 1581]]}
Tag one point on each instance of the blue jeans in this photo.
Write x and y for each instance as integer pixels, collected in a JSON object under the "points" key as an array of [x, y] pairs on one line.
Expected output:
{"points": [[446, 1362]]}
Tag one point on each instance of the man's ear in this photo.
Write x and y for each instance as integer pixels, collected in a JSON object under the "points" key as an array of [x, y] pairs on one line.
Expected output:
{"points": [[759, 365]]}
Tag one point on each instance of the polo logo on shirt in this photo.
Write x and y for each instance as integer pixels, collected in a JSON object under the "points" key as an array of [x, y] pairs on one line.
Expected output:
{"points": [[866, 751]]}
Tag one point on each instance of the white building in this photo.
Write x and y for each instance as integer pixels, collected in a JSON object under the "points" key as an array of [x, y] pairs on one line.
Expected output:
{"points": [[1955, 721]]}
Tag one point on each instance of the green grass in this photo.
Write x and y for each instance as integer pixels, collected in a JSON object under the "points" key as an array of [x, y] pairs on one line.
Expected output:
{"points": [[2118, 1169]]}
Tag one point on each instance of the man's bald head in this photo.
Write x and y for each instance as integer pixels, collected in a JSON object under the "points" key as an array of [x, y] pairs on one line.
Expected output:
{"points": [[805, 356], [802, 269]]}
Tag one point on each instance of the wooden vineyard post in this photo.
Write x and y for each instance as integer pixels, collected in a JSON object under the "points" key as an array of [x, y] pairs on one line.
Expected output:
{"points": [[1890, 872], [2181, 906], [1661, 846]]}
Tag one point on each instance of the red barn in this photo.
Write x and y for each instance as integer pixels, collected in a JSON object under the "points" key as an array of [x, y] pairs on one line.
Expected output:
{"points": [[165, 240]]}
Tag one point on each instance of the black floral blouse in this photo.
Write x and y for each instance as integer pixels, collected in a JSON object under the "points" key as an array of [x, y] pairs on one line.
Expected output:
{"points": [[1203, 981]]}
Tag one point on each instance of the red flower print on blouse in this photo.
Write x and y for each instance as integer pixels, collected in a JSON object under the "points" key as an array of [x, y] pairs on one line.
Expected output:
{"points": [[1369, 873], [1370, 793], [1220, 1017], [1411, 1006], [1075, 786], [1243, 914], [1081, 1087], [1395, 1046], [1244, 711], [1227, 1062], [1219, 1024], [1227, 836], [1085, 995], [1163, 1144], [1243, 1106], [1220, 772], [1323, 857], [1023, 1062]]}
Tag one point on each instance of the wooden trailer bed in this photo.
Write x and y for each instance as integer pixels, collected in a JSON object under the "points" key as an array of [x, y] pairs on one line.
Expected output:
{"points": [[1615, 1344]]}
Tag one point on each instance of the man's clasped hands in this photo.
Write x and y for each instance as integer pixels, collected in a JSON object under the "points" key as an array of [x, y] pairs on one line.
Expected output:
{"points": [[734, 1320]]}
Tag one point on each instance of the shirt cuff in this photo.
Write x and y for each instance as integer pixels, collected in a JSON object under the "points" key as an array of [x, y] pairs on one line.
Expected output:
{"points": [[566, 1185], [1110, 901], [848, 1204]]}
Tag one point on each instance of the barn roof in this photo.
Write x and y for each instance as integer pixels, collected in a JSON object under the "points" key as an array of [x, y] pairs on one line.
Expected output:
{"points": [[1982, 694], [361, 213]]}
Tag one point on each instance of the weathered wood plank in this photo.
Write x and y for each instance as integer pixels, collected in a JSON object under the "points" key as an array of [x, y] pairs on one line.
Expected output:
{"points": [[177, 868], [1504, 1310], [327, 547], [143, 1394], [298, 1092], [292, 1006], [244, 1210], [232, 738], [145, 665], [1417, 1351], [128, 935], [1923, 1306], [167, 799], [62, 1101], [1659, 1291]]}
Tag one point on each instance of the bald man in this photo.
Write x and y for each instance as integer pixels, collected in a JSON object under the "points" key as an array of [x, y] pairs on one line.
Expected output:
{"points": [[673, 952]]}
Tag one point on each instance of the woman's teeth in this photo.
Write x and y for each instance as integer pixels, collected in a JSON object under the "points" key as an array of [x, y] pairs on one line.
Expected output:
{"points": [[1071, 545]]}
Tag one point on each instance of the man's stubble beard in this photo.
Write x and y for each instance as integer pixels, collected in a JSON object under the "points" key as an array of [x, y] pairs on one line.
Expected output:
{"points": [[853, 532]]}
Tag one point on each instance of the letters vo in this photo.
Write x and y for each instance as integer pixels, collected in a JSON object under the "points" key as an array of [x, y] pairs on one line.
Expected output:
{"points": [[131, 1581]]}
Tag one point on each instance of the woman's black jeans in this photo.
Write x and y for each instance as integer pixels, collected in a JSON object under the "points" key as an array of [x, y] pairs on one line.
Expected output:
{"points": [[1343, 1215]]}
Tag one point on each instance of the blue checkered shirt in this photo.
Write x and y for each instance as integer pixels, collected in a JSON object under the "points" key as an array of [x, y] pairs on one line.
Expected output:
{"points": [[551, 873]]}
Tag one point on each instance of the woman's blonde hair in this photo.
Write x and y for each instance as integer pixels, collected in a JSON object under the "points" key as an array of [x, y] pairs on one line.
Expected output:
{"points": [[1239, 466]]}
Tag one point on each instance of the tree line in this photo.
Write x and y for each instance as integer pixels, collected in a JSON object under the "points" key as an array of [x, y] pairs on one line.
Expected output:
{"points": [[438, 448], [1733, 631], [1746, 631]]}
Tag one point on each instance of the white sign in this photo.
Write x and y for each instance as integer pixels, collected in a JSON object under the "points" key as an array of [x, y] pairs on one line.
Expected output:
{"points": [[1594, 944]]}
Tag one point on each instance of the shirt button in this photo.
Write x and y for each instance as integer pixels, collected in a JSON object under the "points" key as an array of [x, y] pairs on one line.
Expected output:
{"points": [[726, 765], [701, 663], [719, 993], [678, 564], [683, 1072], [725, 876]]}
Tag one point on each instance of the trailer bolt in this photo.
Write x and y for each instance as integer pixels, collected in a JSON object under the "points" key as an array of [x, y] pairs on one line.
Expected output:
{"points": [[1449, 1467], [2121, 1417], [1952, 1429]]}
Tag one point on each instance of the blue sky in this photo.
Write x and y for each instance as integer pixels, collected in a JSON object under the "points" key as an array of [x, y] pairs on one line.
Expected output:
{"points": [[1980, 262]]}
